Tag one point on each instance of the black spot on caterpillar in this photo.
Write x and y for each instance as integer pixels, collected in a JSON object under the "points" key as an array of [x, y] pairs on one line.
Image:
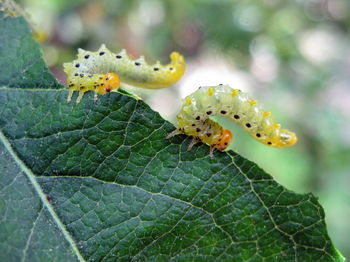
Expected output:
{"points": [[193, 119], [102, 71]]}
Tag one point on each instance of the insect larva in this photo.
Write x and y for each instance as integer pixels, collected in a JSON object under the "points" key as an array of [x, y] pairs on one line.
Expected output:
{"points": [[194, 119], [102, 71]]}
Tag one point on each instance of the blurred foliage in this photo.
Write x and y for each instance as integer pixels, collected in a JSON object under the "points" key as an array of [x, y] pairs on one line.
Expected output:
{"points": [[293, 55]]}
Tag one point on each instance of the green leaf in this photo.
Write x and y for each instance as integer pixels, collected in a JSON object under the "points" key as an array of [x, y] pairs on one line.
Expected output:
{"points": [[100, 182], [21, 64]]}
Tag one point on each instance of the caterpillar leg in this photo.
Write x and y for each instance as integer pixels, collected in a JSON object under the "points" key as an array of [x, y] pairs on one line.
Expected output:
{"points": [[80, 96], [194, 141], [211, 153], [95, 97], [69, 98], [172, 134]]}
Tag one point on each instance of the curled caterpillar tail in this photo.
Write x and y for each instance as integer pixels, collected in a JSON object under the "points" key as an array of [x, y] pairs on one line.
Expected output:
{"points": [[194, 118], [91, 69]]}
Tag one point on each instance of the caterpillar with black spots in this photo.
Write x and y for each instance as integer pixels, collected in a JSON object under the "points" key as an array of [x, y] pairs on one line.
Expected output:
{"points": [[102, 71], [194, 119]]}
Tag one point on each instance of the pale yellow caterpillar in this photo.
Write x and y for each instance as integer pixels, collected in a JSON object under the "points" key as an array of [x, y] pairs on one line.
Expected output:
{"points": [[194, 119], [102, 71]]}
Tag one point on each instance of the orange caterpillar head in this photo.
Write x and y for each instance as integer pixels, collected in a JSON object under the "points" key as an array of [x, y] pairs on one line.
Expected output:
{"points": [[110, 82], [225, 140]]}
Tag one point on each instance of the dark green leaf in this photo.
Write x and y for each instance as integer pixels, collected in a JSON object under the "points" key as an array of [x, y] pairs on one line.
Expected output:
{"points": [[99, 182], [21, 64]]}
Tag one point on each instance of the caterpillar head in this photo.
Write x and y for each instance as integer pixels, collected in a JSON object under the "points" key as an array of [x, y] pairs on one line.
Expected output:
{"points": [[225, 140], [285, 139], [110, 82]]}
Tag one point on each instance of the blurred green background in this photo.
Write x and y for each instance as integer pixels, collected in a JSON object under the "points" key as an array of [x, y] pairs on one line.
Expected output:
{"points": [[293, 56]]}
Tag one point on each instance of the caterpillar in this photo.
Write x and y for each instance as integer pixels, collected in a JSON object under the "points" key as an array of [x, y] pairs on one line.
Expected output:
{"points": [[102, 71], [194, 119]]}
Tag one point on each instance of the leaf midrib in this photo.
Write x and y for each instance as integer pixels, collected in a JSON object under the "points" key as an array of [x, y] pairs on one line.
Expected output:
{"points": [[32, 178]]}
